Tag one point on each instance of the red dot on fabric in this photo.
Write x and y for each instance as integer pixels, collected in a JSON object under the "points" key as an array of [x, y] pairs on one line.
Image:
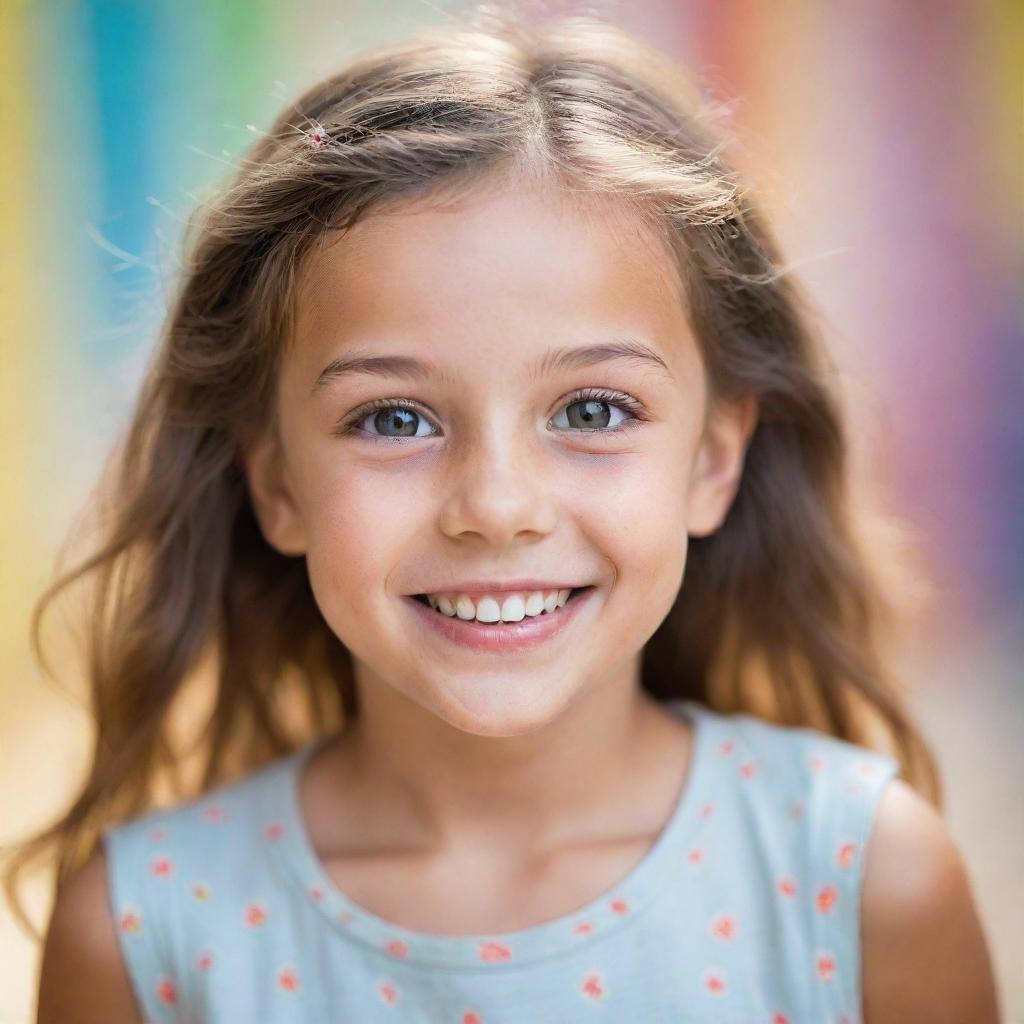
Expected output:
{"points": [[826, 898], [715, 982], [166, 991], [131, 921], [493, 952], [163, 867], [826, 966], [388, 992], [255, 915]]}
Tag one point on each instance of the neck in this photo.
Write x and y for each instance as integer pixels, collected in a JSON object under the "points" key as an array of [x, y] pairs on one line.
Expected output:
{"points": [[427, 786]]}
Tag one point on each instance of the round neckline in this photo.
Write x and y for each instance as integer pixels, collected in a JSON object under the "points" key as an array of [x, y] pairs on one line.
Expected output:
{"points": [[616, 907]]}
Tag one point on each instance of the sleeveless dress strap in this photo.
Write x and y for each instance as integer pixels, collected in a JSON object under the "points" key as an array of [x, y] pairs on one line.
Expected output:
{"points": [[846, 784], [172, 876], [135, 869]]}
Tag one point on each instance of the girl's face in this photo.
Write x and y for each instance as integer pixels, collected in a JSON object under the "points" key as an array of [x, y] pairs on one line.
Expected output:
{"points": [[496, 315]]}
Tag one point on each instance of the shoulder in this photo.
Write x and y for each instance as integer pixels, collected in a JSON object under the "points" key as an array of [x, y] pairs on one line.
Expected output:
{"points": [[83, 977], [809, 764], [169, 859], [124, 925], [228, 819], [924, 950]]}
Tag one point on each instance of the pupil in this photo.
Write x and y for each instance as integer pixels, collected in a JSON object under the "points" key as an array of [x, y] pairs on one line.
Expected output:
{"points": [[405, 420], [595, 414]]}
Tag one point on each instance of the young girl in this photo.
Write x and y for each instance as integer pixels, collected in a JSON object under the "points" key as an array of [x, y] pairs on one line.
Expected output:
{"points": [[485, 504]]}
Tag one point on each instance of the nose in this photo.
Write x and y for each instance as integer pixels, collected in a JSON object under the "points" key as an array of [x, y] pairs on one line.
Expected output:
{"points": [[497, 489]]}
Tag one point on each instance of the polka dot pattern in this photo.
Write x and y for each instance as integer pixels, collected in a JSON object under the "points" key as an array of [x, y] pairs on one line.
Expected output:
{"points": [[223, 909]]}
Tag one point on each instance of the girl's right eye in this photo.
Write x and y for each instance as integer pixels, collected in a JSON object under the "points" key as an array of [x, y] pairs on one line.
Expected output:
{"points": [[398, 414]]}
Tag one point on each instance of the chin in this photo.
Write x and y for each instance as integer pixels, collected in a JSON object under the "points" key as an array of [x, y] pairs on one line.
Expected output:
{"points": [[497, 708]]}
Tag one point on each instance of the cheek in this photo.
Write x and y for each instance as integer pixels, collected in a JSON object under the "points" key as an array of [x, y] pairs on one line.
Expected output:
{"points": [[362, 525], [632, 508]]}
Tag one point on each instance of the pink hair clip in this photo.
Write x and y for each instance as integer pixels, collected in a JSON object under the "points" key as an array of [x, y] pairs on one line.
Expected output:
{"points": [[316, 135]]}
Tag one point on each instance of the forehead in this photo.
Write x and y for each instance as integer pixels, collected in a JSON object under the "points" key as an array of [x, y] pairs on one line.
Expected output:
{"points": [[495, 274]]}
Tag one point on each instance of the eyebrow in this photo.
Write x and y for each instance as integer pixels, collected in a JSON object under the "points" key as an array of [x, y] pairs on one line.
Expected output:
{"points": [[554, 359]]}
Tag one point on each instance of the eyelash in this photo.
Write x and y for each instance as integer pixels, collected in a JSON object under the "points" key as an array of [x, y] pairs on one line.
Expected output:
{"points": [[349, 425]]}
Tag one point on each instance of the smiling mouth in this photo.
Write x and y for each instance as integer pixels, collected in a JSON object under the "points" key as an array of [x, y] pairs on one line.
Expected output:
{"points": [[573, 593]]}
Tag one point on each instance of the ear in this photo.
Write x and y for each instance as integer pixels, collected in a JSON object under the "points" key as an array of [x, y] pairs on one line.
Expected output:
{"points": [[273, 501], [718, 465]]}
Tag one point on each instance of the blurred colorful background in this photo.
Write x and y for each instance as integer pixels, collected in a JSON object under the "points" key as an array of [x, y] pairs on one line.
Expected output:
{"points": [[887, 143]]}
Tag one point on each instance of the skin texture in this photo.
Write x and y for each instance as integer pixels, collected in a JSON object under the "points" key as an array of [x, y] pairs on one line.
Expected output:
{"points": [[550, 773], [83, 979], [925, 956]]}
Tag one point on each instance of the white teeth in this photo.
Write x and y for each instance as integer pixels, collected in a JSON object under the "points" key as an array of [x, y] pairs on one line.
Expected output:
{"points": [[487, 610], [514, 608]]}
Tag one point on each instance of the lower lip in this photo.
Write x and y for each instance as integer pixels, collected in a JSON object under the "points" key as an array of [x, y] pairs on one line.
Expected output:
{"points": [[512, 636]]}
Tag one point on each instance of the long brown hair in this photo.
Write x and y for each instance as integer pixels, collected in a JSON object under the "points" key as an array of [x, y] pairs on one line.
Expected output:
{"points": [[783, 612]]}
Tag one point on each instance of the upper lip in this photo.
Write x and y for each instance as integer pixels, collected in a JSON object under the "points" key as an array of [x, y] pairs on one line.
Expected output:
{"points": [[504, 586]]}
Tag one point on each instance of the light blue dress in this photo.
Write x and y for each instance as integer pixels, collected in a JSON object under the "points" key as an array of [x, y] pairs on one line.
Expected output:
{"points": [[745, 909]]}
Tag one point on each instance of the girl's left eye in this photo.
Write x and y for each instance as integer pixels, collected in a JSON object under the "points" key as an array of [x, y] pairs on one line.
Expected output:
{"points": [[402, 415], [589, 416]]}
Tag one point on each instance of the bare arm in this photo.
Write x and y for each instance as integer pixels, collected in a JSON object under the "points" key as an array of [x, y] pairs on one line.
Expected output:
{"points": [[924, 951], [83, 978]]}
